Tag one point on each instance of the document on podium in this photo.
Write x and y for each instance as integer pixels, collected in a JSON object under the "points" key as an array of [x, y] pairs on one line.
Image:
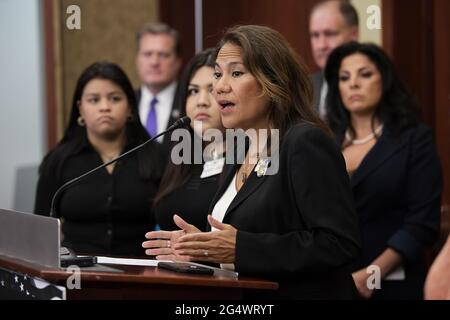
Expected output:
{"points": [[218, 272], [128, 261], [396, 274]]}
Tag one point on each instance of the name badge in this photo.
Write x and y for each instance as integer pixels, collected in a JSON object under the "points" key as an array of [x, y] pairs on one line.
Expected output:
{"points": [[213, 167]]}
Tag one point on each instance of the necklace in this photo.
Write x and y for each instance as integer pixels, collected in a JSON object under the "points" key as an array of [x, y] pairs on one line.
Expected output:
{"points": [[244, 174], [366, 139], [247, 169]]}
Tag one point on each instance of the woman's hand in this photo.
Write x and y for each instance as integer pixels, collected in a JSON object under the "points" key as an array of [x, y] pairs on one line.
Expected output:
{"points": [[437, 285], [215, 246], [360, 277], [161, 242]]}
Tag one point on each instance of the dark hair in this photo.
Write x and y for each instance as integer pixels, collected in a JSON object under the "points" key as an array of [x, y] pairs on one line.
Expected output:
{"points": [[161, 28], [280, 71], [346, 9], [75, 137], [177, 175], [396, 109]]}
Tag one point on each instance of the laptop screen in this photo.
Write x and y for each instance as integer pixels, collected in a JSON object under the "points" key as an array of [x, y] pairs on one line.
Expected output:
{"points": [[30, 237]]}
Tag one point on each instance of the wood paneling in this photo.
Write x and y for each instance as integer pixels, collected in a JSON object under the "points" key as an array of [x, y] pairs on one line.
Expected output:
{"points": [[416, 36], [108, 32], [179, 14], [290, 17], [407, 37]]}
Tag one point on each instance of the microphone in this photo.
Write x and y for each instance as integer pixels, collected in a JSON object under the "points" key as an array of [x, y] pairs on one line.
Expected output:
{"points": [[180, 123]]}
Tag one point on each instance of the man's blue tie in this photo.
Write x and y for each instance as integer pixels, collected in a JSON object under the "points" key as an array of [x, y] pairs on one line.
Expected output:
{"points": [[151, 125]]}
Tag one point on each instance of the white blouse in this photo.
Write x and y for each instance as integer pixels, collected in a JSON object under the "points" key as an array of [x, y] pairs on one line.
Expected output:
{"points": [[221, 207]]}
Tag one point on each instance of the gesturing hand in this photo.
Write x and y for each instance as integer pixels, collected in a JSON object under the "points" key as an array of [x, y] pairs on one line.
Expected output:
{"points": [[360, 277], [215, 246], [161, 242]]}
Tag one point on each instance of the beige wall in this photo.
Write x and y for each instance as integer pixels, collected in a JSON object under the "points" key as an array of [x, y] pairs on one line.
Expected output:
{"points": [[108, 32], [367, 35]]}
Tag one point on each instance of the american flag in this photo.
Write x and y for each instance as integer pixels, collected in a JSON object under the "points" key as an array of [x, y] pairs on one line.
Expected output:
{"points": [[14, 286]]}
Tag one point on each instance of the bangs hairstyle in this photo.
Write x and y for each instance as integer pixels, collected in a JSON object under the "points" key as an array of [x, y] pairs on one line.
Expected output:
{"points": [[280, 71]]}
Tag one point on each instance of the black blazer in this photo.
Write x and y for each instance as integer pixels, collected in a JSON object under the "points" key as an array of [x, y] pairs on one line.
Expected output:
{"points": [[397, 191], [174, 116], [299, 226]]}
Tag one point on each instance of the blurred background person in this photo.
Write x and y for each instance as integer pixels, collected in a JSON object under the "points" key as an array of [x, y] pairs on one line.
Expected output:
{"points": [[158, 62], [394, 168], [332, 23], [188, 189], [109, 211]]}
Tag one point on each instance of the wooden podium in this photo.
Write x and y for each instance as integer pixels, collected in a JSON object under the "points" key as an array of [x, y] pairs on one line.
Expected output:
{"points": [[138, 282]]}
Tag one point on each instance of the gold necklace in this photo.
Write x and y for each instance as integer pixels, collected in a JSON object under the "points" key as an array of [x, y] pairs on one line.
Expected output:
{"points": [[244, 176], [247, 169]]}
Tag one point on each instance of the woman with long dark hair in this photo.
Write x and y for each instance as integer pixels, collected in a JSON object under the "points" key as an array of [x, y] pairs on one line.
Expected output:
{"points": [[394, 169], [107, 212], [286, 212], [184, 190]]}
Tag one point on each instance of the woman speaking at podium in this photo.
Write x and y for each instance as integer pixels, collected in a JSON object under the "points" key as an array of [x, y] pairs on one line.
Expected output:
{"points": [[108, 211], [296, 226]]}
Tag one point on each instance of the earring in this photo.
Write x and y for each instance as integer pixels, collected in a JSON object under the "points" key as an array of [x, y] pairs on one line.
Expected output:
{"points": [[130, 118], [81, 121]]}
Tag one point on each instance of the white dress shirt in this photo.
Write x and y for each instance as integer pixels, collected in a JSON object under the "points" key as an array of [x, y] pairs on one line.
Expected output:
{"points": [[221, 207], [322, 102], [163, 107]]}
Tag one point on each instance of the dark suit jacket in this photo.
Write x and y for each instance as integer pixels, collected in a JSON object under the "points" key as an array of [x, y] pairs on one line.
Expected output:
{"points": [[174, 116], [317, 80], [299, 226], [397, 191]]}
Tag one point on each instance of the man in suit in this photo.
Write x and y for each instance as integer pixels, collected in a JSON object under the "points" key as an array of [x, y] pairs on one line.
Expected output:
{"points": [[332, 23], [158, 62]]}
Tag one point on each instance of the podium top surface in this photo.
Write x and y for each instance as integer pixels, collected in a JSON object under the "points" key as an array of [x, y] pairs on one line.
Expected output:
{"points": [[136, 274]]}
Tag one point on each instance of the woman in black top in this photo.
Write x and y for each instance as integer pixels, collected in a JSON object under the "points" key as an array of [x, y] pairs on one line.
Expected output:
{"points": [[394, 167], [108, 211], [183, 191]]}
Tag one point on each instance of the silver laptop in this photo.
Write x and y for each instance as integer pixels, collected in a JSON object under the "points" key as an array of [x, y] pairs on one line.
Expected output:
{"points": [[30, 237]]}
